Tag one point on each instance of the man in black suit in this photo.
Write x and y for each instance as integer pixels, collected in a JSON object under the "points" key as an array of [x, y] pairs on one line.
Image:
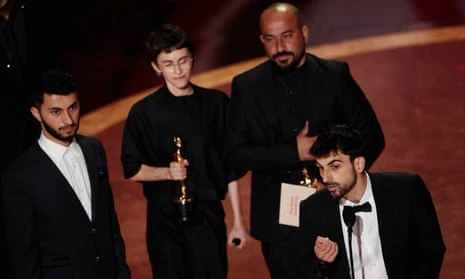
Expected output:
{"points": [[60, 219], [367, 225], [276, 111]]}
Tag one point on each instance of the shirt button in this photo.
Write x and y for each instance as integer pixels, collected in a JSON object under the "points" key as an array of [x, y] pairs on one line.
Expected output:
{"points": [[93, 230], [97, 259], [8, 66], [291, 92], [295, 129]]}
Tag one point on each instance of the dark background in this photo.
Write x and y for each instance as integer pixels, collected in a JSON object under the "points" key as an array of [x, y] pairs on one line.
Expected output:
{"points": [[102, 42]]}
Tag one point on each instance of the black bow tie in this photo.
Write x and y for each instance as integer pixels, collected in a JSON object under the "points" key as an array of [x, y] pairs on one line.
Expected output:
{"points": [[349, 212]]}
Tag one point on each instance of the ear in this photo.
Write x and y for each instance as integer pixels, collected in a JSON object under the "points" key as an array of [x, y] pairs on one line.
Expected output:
{"points": [[156, 69], [305, 32], [359, 164], [262, 38], [36, 113]]}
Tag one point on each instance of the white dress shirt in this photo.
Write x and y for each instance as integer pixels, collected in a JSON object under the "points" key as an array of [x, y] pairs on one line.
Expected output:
{"points": [[366, 243], [70, 161]]}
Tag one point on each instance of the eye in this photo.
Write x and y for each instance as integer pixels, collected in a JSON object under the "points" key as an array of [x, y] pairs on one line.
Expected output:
{"points": [[288, 35], [183, 60], [335, 167], [55, 112], [74, 107], [269, 39], [167, 65]]}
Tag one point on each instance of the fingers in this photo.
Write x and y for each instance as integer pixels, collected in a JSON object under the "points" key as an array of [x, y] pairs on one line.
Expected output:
{"points": [[178, 171], [325, 249], [238, 237]]}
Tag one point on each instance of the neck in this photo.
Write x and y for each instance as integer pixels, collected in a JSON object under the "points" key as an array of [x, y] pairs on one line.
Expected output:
{"points": [[179, 92], [356, 193]]}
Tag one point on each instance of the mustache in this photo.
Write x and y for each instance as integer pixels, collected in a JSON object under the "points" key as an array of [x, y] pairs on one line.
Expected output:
{"points": [[327, 184], [69, 126], [282, 53]]}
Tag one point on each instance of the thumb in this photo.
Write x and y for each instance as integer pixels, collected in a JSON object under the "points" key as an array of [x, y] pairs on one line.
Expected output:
{"points": [[304, 131]]}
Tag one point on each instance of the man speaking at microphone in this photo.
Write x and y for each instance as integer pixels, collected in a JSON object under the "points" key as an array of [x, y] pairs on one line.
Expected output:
{"points": [[367, 225]]}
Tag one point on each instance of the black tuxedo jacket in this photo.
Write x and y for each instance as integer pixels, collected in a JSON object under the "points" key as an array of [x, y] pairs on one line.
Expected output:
{"points": [[48, 232], [262, 131], [409, 230]]}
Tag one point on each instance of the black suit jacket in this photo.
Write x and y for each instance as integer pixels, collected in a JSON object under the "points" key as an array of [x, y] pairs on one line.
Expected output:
{"points": [[409, 230], [262, 133], [48, 232]]}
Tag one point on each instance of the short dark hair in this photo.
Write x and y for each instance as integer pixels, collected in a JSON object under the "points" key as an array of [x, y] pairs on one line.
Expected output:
{"points": [[53, 81], [338, 139], [167, 37]]}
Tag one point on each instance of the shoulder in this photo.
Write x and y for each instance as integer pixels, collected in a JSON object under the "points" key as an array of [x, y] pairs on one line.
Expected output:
{"points": [[318, 200], [210, 91], [395, 177], [214, 95], [254, 74], [396, 182], [29, 161], [88, 140], [148, 100], [326, 65]]}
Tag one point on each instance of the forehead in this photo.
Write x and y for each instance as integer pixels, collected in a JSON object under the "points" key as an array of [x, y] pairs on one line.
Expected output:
{"points": [[59, 101], [274, 22], [333, 157], [174, 55]]}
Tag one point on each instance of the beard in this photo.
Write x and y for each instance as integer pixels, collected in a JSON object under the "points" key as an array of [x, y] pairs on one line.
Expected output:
{"points": [[342, 188], [296, 58], [288, 67], [56, 133]]}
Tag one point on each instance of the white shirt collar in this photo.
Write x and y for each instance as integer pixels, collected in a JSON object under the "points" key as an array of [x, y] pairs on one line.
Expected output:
{"points": [[366, 197], [54, 150]]}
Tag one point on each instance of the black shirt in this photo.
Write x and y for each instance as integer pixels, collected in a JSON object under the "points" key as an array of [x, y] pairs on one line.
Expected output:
{"points": [[199, 120]]}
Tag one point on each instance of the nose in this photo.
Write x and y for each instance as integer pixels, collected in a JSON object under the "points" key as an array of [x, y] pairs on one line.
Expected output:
{"points": [[325, 175], [177, 68], [279, 44], [67, 118]]}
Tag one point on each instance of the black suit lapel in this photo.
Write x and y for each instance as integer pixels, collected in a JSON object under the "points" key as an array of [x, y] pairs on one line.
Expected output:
{"points": [[385, 207], [93, 171], [316, 94], [49, 170]]}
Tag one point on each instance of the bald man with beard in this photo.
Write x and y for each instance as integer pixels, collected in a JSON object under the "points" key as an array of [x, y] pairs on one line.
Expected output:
{"points": [[276, 111]]}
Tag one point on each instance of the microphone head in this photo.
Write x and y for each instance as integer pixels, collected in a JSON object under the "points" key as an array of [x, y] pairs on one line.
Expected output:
{"points": [[348, 215]]}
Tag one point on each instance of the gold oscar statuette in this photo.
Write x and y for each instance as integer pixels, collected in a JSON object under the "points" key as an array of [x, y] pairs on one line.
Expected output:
{"points": [[308, 180], [183, 201]]}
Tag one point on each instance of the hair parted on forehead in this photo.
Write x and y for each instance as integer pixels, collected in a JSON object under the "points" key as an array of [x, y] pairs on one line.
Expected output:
{"points": [[167, 37], [338, 139], [53, 81]]}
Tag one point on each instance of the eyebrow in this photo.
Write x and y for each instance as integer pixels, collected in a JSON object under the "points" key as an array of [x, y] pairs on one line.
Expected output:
{"points": [[331, 162], [182, 57], [60, 108]]}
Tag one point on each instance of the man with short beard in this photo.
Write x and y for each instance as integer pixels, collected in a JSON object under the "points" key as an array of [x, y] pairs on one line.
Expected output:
{"points": [[367, 225], [57, 203], [276, 111]]}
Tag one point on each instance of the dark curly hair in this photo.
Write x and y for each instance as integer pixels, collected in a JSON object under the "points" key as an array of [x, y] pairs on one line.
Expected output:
{"points": [[53, 81], [167, 37], [338, 139]]}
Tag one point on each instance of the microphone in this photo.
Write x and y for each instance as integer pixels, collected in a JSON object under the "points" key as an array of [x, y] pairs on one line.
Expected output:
{"points": [[348, 214]]}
